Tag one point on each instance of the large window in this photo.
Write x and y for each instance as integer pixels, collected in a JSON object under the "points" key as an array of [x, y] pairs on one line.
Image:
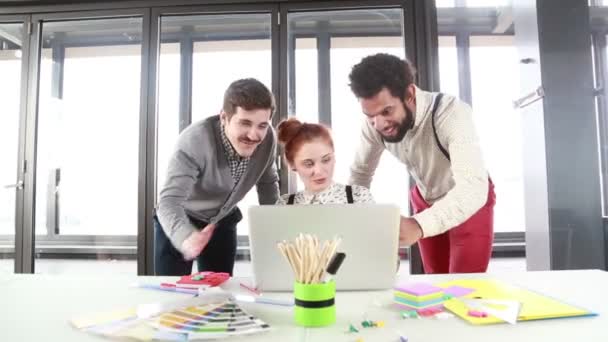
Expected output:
{"points": [[11, 39], [88, 129], [475, 52], [88, 142], [499, 125], [86, 124]]}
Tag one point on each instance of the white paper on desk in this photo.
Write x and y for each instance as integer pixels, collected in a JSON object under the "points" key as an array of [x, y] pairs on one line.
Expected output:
{"points": [[208, 296], [507, 310], [212, 336]]}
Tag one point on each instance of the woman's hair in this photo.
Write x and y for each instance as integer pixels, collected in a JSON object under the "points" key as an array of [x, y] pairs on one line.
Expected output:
{"points": [[293, 134]]}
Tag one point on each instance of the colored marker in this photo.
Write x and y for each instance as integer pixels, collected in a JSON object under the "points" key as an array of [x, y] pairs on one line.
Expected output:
{"points": [[333, 266]]}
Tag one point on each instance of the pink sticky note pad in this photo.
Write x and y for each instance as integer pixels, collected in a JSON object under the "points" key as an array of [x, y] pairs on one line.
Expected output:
{"points": [[418, 289], [429, 311]]}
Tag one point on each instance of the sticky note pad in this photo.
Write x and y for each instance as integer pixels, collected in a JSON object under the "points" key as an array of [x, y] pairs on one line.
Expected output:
{"points": [[429, 311], [457, 291], [404, 301], [419, 289], [426, 298]]}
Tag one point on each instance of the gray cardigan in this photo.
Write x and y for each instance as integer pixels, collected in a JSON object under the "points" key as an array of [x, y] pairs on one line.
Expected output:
{"points": [[199, 183]]}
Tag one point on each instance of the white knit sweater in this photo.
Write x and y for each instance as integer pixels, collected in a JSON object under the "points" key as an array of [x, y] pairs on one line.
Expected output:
{"points": [[456, 189]]}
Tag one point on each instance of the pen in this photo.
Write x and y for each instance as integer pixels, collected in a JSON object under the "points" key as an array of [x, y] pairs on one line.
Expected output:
{"points": [[182, 286], [168, 288], [333, 266], [250, 289]]}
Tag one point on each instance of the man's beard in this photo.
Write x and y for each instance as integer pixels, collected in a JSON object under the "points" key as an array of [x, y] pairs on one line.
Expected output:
{"points": [[402, 128]]}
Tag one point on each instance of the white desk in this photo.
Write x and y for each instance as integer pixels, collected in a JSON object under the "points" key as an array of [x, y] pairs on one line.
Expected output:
{"points": [[38, 308]]}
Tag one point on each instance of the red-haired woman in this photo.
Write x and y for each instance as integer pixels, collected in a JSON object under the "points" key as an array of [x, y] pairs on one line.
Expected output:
{"points": [[309, 151]]}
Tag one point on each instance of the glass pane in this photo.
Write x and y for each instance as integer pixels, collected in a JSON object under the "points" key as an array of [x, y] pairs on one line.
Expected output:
{"points": [[224, 48], [444, 3], [88, 133], [499, 124], [599, 54], [488, 3], [602, 64], [307, 82], [306, 90], [353, 34], [168, 107], [217, 64], [448, 65], [472, 3], [11, 39]]}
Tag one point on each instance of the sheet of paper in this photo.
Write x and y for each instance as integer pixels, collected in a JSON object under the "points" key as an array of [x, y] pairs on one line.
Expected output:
{"points": [[507, 310], [533, 305], [104, 317]]}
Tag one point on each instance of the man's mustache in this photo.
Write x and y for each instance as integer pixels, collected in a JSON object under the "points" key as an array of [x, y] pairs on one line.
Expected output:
{"points": [[249, 141]]}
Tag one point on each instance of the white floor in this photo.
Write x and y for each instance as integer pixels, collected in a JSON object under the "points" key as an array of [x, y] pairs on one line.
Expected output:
{"points": [[242, 268]]}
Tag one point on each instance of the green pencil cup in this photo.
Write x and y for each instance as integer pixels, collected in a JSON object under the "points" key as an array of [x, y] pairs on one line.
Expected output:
{"points": [[315, 304]]}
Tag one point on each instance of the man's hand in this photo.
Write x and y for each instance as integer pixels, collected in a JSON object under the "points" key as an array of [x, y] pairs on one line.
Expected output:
{"points": [[196, 242], [409, 231]]}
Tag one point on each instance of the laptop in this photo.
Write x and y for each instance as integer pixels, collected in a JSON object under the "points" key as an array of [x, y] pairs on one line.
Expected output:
{"points": [[370, 239]]}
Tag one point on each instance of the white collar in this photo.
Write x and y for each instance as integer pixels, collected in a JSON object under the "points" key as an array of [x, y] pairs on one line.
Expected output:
{"points": [[309, 195]]}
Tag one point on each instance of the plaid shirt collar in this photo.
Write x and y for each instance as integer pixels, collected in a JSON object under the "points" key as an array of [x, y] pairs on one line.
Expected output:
{"points": [[230, 151], [238, 165]]}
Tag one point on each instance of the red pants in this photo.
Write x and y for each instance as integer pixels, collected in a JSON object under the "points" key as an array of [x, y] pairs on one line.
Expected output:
{"points": [[466, 248]]}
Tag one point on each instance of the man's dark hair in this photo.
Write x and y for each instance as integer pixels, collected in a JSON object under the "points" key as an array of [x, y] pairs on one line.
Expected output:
{"points": [[249, 94], [378, 71]]}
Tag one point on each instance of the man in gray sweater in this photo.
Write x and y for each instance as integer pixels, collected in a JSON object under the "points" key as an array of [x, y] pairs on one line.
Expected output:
{"points": [[215, 163]]}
